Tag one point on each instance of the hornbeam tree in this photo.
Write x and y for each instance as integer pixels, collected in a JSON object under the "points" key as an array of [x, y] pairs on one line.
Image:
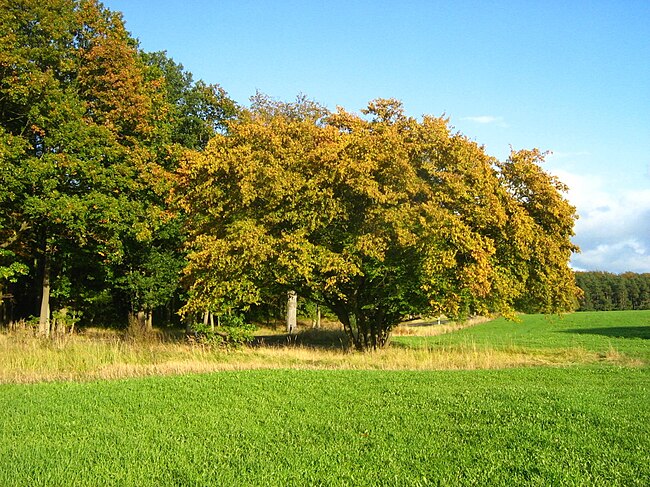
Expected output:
{"points": [[376, 216]]}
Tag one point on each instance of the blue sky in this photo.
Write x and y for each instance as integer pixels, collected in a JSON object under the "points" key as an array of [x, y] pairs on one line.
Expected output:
{"points": [[571, 77]]}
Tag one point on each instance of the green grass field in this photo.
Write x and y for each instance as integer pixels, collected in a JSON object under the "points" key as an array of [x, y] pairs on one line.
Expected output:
{"points": [[622, 332], [585, 424]]}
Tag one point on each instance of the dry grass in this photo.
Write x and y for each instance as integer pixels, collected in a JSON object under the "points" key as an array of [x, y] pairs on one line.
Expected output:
{"points": [[430, 327], [104, 354]]}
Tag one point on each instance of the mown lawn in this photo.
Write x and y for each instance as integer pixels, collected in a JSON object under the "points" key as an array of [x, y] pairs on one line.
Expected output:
{"points": [[586, 424], [622, 332]]}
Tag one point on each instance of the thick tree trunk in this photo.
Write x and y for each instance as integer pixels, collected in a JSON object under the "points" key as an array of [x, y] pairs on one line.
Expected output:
{"points": [[44, 318], [292, 309], [380, 333], [364, 332], [348, 322], [363, 327]]}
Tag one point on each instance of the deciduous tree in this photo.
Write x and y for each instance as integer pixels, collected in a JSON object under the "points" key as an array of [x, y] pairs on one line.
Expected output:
{"points": [[376, 217], [85, 146]]}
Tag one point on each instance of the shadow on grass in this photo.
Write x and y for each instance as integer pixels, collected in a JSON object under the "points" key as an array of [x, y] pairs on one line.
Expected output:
{"points": [[416, 343], [314, 338], [615, 331]]}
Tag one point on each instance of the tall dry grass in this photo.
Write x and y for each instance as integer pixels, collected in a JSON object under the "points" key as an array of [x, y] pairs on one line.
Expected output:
{"points": [[431, 327], [105, 354]]}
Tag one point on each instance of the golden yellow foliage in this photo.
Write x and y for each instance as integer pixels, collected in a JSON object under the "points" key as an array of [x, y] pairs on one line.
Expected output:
{"points": [[377, 217]]}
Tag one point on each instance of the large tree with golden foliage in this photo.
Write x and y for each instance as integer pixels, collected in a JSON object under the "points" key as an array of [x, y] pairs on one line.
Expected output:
{"points": [[376, 216]]}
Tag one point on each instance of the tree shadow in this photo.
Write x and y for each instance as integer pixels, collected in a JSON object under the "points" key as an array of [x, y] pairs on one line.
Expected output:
{"points": [[642, 332], [312, 338]]}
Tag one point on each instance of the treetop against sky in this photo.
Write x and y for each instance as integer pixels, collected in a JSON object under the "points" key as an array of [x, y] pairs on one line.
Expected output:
{"points": [[571, 78]]}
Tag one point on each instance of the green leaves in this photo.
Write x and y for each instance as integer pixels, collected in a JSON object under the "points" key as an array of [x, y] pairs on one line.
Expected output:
{"points": [[86, 148]]}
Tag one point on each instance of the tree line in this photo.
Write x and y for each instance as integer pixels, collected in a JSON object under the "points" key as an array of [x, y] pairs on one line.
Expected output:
{"points": [[604, 291], [91, 131], [131, 190]]}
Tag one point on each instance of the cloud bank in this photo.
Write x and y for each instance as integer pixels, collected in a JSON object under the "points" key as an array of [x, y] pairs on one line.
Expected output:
{"points": [[613, 230]]}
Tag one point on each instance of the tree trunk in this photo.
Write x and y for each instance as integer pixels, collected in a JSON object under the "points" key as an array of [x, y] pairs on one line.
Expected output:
{"points": [[356, 336], [292, 308], [142, 319], [3, 308], [348, 321], [149, 320], [61, 318], [316, 321], [44, 318]]}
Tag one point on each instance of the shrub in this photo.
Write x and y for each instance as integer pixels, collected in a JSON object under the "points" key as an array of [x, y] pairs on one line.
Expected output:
{"points": [[233, 331]]}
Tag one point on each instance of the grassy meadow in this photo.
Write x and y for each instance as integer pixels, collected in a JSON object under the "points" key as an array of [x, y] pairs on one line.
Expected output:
{"points": [[617, 338], [613, 334], [545, 401]]}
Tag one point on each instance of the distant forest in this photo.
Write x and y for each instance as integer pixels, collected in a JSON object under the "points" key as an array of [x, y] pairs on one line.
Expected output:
{"points": [[604, 291]]}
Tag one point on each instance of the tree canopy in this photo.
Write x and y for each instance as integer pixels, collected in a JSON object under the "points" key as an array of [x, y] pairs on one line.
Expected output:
{"points": [[604, 291], [90, 130], [118, 170], [376, 216]]}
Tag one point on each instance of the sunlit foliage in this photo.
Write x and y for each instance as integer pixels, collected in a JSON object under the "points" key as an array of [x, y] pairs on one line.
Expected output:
{"points": [[376, 216]]}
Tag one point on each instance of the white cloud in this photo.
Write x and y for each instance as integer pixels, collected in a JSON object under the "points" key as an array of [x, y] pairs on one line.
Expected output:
{"points": [[487, 119], [630, 255], [613, 230]]}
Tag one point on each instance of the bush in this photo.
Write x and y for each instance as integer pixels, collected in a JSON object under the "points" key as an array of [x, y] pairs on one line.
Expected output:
{"points": [[233, 331]]}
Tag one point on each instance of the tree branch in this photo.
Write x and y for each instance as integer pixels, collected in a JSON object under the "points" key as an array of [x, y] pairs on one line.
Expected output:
{"points": [[24, 226]]}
